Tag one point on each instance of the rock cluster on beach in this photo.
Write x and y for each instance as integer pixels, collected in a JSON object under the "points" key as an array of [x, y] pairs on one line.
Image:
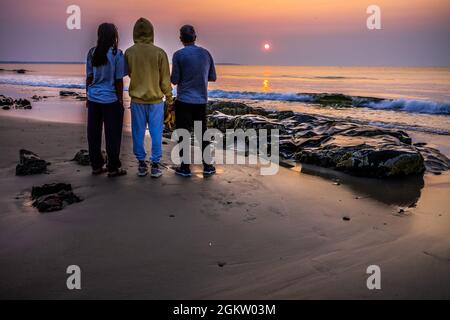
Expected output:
{"points": [[53, 197], [38, 98], [6, 103], [76, 95], [48, 197], [30, 163], [357, 149], [82, 157], [341, 100], [21, 71]]}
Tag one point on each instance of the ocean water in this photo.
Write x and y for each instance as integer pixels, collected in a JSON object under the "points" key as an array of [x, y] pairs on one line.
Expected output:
{"points": [[413, 99]]}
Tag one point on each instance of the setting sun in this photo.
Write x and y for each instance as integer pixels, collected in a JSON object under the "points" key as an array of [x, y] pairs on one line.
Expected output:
{"points": [[266, 46]]}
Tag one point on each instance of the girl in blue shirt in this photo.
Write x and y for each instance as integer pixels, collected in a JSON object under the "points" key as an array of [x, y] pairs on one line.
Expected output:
{"points": [[105, 69]]}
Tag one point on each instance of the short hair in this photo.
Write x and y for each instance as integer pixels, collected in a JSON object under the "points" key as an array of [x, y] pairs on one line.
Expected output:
{"points": [[187, 33]]}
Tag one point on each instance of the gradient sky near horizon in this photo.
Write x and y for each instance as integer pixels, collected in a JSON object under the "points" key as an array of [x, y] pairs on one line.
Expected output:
{"points": [[314, 32]]}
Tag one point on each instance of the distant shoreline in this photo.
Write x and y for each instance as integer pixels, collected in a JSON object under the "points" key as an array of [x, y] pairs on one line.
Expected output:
{"points": [[40, 62]]}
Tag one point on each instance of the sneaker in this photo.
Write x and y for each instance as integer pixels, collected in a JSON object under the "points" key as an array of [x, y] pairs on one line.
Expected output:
{"points": [[183, 171], [209, 170], [142, 169], [156, 171]]}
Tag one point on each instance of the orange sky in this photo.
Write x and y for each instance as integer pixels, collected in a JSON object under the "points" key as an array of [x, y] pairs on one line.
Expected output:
{"points": [[324, 32]]}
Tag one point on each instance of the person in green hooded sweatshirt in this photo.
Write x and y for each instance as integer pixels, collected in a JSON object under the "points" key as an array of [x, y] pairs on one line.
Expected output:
{"points": [[149, 71]]}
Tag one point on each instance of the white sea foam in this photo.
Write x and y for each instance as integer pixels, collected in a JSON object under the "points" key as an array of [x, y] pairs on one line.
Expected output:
{"points": [[271, 96], [48, 82], [408, 105]]}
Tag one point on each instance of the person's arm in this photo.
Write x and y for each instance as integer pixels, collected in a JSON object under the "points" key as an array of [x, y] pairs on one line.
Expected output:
{"points": [[164, 78], [89, 80], [175, 78], [118, 84], [212, 69], [127, 65], [89, 73], [120, 72]]}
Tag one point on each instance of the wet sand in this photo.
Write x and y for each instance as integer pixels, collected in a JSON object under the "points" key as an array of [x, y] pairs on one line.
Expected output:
{"points": [[236, 235]]}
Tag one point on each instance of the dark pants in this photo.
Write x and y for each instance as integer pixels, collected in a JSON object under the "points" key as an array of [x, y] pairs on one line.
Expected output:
{"points": [[185, 115], [110, 114]]}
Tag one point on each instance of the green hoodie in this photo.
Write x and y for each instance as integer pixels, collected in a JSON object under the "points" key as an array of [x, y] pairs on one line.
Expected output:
{"points": [[148, 67]]}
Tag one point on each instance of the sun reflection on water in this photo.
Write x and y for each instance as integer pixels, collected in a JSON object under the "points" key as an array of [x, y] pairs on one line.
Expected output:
{"points": [[265, 85]]}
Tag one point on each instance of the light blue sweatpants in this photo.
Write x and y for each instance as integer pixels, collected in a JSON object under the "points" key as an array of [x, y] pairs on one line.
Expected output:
{"points": [[153, 116]]}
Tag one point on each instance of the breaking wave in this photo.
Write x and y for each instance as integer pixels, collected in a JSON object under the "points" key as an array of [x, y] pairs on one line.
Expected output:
{"points": [[406, 105]]}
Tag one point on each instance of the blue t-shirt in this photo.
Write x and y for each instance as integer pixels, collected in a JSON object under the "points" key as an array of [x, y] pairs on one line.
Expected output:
{"points": [[102, 89], [192, 68]]}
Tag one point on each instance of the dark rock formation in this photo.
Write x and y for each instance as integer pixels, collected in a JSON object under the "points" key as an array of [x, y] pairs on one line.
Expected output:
{"points": [[38, 98], [339, 100], [332, 99], [22, 104], [65, 93], [39, 191], [15, 70], [435, 161], [53, 197], [377, 157], [55, 201], [7, 103], [76, 95], [357, 149], [30, 163], [82, 157], [229, 108]]}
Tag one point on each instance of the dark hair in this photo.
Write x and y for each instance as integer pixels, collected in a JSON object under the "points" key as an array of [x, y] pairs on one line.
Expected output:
{"points": [[187, 33], [108, 37]]}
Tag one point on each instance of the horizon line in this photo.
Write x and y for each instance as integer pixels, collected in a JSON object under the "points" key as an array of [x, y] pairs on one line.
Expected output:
{"points": [[79, 62], [241, 64]]}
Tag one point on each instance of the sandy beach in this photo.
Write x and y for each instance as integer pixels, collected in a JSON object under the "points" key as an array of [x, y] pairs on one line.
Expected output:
{"points": [[237, 235]]}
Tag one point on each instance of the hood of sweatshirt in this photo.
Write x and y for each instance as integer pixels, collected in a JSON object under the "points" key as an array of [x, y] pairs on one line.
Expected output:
{"points": [[143, 31]]}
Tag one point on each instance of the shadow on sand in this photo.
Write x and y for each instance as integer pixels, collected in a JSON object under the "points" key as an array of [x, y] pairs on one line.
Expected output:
{"points": [[399, 191]]}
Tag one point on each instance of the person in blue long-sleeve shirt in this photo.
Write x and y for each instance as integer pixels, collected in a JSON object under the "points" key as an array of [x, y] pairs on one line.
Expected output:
{"points": [[192, 68]]}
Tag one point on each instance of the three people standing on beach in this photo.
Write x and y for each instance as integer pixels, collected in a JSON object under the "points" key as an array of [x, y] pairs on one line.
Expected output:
{"points": [[148, 68]]}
